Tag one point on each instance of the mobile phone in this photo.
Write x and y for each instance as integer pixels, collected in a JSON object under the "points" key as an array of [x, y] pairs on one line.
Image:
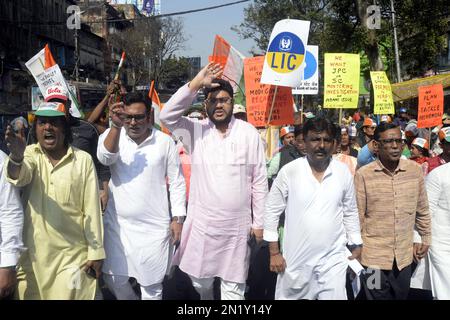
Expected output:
{"points": [[91, 273]]}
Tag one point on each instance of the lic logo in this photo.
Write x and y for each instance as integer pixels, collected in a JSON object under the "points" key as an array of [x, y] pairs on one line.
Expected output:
{"points": [[286, 44], [286, 53]]}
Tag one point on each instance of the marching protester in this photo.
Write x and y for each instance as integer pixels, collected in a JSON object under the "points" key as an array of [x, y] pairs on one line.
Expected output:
{"points": [[138, 224], [317, 194], [239, 112], [63, 230], [11, 223], [366, 131], [228, 186], [342, 150], [438, 257], [291, 150], [444, 157], [420, 152], [84, 137], [392, 201]]}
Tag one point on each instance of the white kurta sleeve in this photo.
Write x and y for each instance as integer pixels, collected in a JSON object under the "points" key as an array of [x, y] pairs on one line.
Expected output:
{"points": [[177, 185], [104, 156], [171, 116], [275, 205], [259, 185], [11, 221], [351, 216], [433, 186]]}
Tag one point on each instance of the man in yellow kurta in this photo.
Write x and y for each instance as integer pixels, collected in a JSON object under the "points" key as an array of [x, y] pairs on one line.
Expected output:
{"points": [[63, 230]]}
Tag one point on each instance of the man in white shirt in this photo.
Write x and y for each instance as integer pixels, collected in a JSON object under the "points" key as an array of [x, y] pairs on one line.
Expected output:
{"points": [[11, 224], [318, 196], [138, 225]]}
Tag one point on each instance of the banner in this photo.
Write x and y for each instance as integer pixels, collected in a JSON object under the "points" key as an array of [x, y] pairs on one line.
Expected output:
{"points": [[341, 86], [431, 106], [383, 102], [232, 62], [285, 56], [46, 72], [310, 82], [259, 97]]}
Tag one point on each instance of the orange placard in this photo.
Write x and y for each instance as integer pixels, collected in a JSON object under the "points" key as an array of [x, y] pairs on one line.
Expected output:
{"points": [[259, 97], [431, 106]]}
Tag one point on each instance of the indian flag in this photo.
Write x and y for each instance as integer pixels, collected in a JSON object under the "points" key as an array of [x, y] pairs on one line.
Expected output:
{"points": [[46, 72], [157, 106], [232, 62]]}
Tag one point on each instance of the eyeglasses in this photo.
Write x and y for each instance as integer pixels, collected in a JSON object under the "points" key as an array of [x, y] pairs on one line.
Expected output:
{"points": [[391, 141], [224, 100], [137, 117]]}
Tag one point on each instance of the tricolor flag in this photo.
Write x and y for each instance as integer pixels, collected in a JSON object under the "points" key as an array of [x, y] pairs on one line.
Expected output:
{"points": [[122, 59], [232, 62], [157, 106], [47, 73]]}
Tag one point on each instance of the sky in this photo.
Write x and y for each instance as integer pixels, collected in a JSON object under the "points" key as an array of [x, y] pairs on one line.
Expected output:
{"points": [[201, 27]]}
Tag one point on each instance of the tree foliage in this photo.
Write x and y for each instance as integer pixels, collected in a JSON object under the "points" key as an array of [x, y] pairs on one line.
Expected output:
{"points": [[340, 26], [150, 42]]}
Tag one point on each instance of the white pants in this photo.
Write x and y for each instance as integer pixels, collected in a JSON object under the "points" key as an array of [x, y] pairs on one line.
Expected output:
{"points": [[228, 290], [122, 289]]}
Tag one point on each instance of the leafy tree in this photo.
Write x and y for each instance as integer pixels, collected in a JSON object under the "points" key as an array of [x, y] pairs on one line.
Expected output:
{"points": [[341, 26], [176, 72], [150, 41]]}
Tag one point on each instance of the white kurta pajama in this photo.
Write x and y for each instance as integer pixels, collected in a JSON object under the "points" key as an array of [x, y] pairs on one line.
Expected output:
{"points": [[228, 183], [137, 219], [321, 218], [433, 272]]}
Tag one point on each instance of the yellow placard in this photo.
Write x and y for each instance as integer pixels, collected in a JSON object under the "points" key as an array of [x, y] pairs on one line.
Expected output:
{"points": [[383, 102], [341, 87]]}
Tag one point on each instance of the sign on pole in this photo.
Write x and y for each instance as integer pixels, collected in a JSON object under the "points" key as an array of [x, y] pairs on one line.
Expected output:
{"points": [[431, 106], [341, 87], [383, 102], [285, 56], [310, 82], [259, 97]]}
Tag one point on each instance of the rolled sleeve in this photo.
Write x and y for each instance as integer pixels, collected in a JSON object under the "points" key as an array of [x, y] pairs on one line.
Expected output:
{"points": [[104, 156], [275, 205]]}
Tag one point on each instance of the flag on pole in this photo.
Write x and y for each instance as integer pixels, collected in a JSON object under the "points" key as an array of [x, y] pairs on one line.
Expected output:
{"points": [[122, 59], [157, 106], [232, 62], [46, 72]]}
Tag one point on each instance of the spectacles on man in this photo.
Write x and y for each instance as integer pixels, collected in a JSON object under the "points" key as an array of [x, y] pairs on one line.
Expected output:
{"points": [[391, 141], [224, 100], [137, 117]]}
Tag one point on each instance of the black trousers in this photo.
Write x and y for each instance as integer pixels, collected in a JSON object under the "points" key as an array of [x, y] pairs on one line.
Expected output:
{"points": [[379, 284]]}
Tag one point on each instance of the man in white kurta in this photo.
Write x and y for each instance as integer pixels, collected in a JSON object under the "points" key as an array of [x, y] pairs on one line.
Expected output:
{"points": [[137, 220], [321, 219], [434, 271], [228, 185]]}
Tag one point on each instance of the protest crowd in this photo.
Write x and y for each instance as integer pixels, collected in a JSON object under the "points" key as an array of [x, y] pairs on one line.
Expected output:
{"points": [[131, 204]]}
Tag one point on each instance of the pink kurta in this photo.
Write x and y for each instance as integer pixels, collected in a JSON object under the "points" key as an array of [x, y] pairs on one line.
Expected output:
{"points": [[228, 183]]}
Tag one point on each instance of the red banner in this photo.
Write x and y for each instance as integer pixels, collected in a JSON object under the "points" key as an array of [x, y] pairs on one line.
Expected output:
{"points": [[431, 106], [259, 97]]}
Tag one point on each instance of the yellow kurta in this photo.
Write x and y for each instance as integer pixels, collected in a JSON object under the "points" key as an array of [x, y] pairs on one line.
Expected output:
{"points": [[62, 228]]}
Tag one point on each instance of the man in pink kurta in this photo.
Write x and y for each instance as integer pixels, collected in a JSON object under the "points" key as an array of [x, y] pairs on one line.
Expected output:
{"points": [[228, 186]]}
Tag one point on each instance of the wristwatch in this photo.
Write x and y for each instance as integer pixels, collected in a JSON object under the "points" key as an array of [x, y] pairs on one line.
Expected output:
{"points": [[179, 219], [354, 246]]}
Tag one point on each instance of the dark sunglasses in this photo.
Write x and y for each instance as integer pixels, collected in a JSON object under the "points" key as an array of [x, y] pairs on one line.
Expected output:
{"points": [[137, 117]]}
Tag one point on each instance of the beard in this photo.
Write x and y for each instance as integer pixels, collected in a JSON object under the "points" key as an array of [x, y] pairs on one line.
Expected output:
{"points": [[218, 122]]}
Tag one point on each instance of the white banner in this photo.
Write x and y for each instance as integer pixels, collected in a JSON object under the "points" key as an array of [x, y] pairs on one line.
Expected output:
{"points": [[310, 82], [285, 56]]}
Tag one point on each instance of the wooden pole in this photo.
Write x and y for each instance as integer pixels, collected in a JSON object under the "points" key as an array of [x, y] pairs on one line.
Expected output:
{"points": [[271, 107]]}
